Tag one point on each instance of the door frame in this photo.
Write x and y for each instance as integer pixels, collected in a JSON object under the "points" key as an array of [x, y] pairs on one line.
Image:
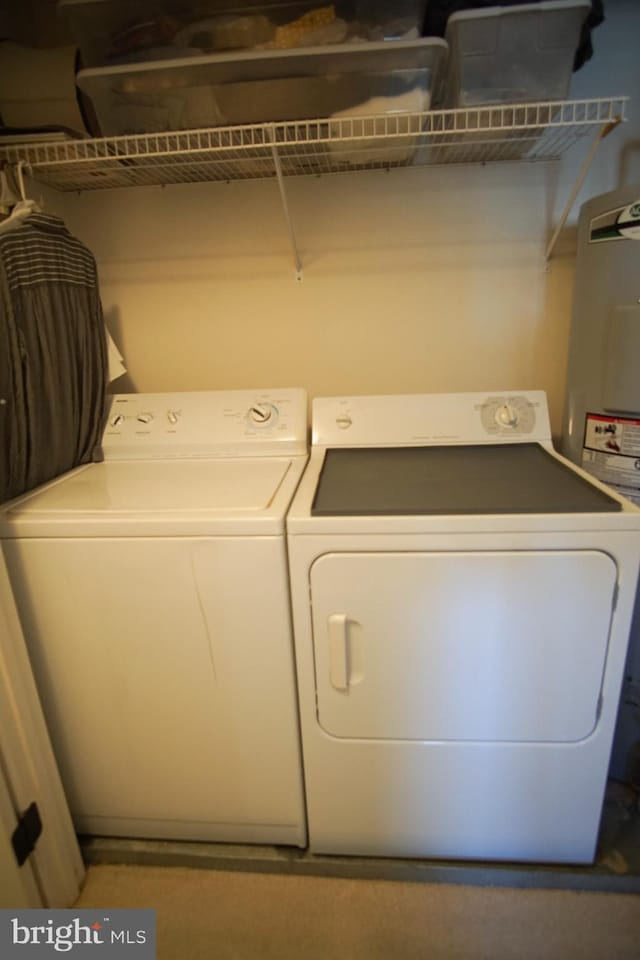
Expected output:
{"points": [[53, 873]]}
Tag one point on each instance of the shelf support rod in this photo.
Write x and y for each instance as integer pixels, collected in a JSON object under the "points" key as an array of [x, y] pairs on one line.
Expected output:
{"points": [[285, 205], [604, 131]]}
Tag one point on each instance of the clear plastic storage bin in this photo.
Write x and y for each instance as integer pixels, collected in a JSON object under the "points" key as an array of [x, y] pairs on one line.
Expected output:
{"points": [[357, 79], [110, 32], [512, 54]]}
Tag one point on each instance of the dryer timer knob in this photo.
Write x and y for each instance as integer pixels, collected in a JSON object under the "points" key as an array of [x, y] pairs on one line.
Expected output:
{"points": [[507, 416]]}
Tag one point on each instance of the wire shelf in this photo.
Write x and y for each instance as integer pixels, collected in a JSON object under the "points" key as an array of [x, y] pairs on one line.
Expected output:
{"points": [[507, 133]]}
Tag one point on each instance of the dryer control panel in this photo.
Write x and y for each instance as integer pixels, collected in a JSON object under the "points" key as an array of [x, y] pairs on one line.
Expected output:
{"points": [[512, 414], [432, 418], [209, 423]]}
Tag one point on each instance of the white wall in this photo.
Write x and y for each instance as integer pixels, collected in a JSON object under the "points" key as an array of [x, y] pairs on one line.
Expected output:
{"points": [[427, 279]]}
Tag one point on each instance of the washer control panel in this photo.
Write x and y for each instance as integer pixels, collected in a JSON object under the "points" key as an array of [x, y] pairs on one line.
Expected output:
{"points": [[206, 424], [431, 418]]}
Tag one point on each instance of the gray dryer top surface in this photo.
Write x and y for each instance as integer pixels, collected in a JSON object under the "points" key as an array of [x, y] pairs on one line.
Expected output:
{"points": [[473, 479]]}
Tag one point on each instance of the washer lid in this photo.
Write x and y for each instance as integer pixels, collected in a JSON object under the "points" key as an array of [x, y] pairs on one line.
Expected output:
{"points": [[144, 487], [483, 479]]}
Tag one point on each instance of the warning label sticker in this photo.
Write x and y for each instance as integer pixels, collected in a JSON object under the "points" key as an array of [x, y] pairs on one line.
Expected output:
{"points": [[611, 452]]}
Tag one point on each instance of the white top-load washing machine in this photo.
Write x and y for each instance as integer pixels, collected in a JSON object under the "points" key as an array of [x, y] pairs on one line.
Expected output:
{"points": [[153, 594], [461, 599]]}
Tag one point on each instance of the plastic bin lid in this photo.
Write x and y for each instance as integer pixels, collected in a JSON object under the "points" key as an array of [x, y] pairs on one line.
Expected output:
{"points": [[379, 57], [547, 6]]}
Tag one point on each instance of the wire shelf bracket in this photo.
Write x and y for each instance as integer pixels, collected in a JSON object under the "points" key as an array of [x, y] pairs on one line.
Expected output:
{"points": [[603, 132], [285, 206]]}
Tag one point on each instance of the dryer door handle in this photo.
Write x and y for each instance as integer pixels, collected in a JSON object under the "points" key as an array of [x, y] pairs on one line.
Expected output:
{"points": [[339, 651]]}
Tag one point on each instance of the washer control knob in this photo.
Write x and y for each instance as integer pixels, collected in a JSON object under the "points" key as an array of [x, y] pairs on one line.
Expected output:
{"points": [[344, 421], [262, 413], [172, 416], [145, 417], [506, 415], [117, 420]]}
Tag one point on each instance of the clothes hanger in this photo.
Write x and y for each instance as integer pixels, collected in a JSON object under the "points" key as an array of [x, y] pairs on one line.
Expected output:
{"points": [[8, 197], [23, 207]]}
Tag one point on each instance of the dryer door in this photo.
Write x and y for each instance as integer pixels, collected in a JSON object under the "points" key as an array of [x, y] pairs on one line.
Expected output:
{"points": [[467, 646]]}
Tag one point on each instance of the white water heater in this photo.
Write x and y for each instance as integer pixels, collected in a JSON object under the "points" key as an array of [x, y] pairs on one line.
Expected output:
{"points": [[601, 425]]}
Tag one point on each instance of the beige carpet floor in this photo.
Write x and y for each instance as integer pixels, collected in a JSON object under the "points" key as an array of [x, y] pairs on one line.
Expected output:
{"points": [[222, 915]]}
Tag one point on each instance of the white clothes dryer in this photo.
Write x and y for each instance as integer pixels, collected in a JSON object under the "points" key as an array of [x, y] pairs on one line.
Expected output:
{"points": [[461, 597], [153, 593]]}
